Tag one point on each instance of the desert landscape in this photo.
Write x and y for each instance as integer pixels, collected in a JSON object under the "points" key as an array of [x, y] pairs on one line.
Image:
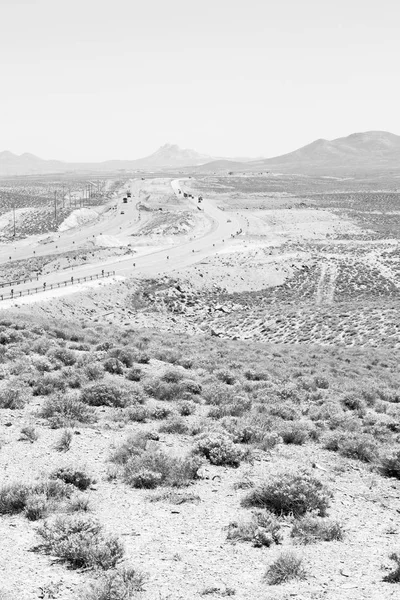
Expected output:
{"points": [[199, 389]]}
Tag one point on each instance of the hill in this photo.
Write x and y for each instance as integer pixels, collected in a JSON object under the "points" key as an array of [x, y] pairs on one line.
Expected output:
{"points": [[372, 150]]}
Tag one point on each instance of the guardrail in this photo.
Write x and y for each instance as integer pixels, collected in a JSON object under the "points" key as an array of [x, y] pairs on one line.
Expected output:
{"points": [[54, 286], [18, 281]]}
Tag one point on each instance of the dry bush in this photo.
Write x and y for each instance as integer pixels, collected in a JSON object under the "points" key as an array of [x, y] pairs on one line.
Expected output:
{"points": [[13, 395], [72, 476], [394, 576], [106, 393], [390, 465], [359, 445], [175, 424], [29, 434], [80, 542], [65, 441], [154, 467], [310, 529], [262, 530], [286, 568], [66, 410], [218, 448], [123, 583], [290, 494]]}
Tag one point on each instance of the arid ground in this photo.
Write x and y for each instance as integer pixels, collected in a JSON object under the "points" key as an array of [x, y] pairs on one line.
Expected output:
{"points": [[200, 399]]}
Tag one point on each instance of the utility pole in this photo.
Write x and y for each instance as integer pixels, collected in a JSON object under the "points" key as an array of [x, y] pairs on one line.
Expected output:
{"points": [[14, 217], [63, 196], [55, 205]]}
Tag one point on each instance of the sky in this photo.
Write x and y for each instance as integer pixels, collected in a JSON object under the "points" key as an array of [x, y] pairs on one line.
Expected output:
{"points": [[92, 80]]}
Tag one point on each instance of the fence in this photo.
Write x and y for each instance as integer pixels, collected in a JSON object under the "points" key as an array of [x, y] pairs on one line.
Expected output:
{"points": [[54, 286]]}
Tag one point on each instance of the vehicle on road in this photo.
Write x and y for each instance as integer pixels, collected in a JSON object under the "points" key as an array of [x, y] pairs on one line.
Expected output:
{"points": [[129, 194], [122, 212], [125, 200]]}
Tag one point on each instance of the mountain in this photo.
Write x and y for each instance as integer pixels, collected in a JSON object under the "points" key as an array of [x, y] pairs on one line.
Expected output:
{"points": [[12, 164], [372, 150]]}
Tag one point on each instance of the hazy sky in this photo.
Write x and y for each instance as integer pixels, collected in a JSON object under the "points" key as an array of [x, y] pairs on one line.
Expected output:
{"points": [[100, 79]]}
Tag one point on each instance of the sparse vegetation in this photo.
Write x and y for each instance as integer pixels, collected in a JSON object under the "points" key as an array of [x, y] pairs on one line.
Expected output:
{"points": [[286, 568]]}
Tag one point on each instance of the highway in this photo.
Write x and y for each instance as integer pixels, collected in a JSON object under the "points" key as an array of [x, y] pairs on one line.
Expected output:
{"points": [[145, 264]]}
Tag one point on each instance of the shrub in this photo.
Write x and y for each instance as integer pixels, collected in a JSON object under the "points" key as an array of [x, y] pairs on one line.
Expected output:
{"points": [[310, 529], [134, 374], [118, 584], [74, 477], [285, 411], [134, 445], [13, 396], [225, 376], [13, 498], [105, 394], [353, 401], [218, 448], [163, 390], [113, 366], [48, 384], [80, 542], [295, 433], [286, 568], [144, 479], [262, 530], [136, 413], [168, 470], [237, 408], [290, 493], [64, 443], [124, 356], [390, 465], [358, 445], [172, 376], [93, 371], [174, 425], [394, 576], [252, 375], [29, 434], [67, 357], [186, 408], [65, 411], [160, 412], [78, 503], [36, 507]]}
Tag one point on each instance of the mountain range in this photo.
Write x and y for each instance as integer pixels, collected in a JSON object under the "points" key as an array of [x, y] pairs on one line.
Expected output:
{"points": [[372, 150]]}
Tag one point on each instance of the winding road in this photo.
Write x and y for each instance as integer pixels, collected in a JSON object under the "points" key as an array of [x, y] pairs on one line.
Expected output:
{"points": [[146, 264]]}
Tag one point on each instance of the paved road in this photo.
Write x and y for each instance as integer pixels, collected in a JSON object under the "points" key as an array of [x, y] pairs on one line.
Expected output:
{"points": [[146, 265]]}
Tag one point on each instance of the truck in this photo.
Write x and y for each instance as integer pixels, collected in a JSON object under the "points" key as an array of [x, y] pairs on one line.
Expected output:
{"points": [[125, 200], [129, 194]]}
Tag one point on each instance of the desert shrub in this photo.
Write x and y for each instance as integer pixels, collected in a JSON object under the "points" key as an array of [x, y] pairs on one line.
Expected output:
{"points": [[186, 408], [390, 465], [78, 503], [63, 410], [29, 434], [285, 411], [236, 408], [80, 542], [252, 375], [75, 477], [168, 356], [286, 568], [174, 424], [310, 529], [172, 376], [93, 371], [174, 497], [359, 445], [123, 355], [134, 445], [394, 576], [217, 394], [269, 441], [117, 584], [113, 366], [42, 364], [191, 387], [65, 441], [353, 401], [48, 384], [296, 433], [218, 448], [141, 357], [104, 346], [64, 355], [105, 393], [162, 390], [136, 413], [160, 469], [13, 396], [290, 494], [72, 376], [160, 412], [134, 374], [13, 498], [321, 382], [225, 376], [36, 507], [262, 530]]}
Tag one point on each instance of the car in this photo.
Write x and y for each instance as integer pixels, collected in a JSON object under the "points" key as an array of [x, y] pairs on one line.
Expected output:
{"points": [[122, 212]]}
